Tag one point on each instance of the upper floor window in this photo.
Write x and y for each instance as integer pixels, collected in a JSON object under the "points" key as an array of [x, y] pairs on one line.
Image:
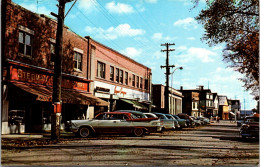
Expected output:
{"points": [[101, 69], [137, 82], [111, 73], [77, 61], [146, 84], [126, 78], [133, 80], [141, 83], [25, 43], [117, 75], [121, 76], [52, 49]]}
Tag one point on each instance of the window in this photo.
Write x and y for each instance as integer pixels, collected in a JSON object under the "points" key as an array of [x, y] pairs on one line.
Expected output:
{"points": [[137, 82], [141, 83], [121, 76], [25, 43], [77, 61], [52, 49], [111, 73], [146, 84], [133, 80], [101, 70], [126, 78], [117, 75]]}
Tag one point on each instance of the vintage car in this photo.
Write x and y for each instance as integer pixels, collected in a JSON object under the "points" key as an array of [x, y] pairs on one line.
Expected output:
{"points": [[113, 123], [151, 115], [182, 122], [168, 124], [138, 114], [176, 124], [204, 120], [190, 122], [196, 120], [250, 128]]}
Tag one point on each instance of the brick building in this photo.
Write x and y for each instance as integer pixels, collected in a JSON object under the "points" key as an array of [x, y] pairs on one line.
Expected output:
{"points": [[118, 79], [27, 71], [175, 99]]}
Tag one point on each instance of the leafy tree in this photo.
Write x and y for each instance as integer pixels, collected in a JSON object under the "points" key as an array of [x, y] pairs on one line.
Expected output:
{"points": [[235, 23]]}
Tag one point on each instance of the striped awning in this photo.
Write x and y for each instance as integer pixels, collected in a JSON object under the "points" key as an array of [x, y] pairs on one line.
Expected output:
{"points": [[43, 93]]}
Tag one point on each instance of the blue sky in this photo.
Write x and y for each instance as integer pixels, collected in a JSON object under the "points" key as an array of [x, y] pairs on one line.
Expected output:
{"points": [[137, 28]]}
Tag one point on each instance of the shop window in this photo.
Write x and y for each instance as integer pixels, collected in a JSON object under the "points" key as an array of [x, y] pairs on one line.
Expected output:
{"points": [[117, 75], [126, 78], [137, 82], [77, 61], [25, 43], [133, 80], [101, 70], [16, 117], [121, 76], [112, 73]]}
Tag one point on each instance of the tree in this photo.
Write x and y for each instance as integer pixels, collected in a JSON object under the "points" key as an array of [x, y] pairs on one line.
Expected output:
{"points": [[235, 23]]}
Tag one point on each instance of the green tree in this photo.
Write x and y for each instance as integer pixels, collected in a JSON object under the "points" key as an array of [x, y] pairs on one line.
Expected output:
{"points": [[235, 23]]}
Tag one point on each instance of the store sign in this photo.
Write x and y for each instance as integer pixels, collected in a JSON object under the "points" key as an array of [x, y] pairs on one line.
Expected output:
{"points": [[27, 75], [119, 91]]}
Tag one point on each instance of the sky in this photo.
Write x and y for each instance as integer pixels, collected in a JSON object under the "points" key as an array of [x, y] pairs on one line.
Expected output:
{"points": [[137, 28]]}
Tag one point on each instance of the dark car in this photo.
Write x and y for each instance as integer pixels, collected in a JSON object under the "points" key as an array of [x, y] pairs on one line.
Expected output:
{"points": [[250, 128], [190, 122], [182, 122]]}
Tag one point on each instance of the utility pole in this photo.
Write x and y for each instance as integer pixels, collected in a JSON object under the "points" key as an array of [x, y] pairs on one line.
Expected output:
{"points": [[167, 66], [57, 77]]}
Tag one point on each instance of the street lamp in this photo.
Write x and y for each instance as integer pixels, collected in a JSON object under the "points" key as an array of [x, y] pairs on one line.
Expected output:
{"points": [[172, 75], [173, 72]]}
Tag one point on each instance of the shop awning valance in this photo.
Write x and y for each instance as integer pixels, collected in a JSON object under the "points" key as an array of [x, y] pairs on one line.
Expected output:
{"points": [[67, 95], [135, 104]]}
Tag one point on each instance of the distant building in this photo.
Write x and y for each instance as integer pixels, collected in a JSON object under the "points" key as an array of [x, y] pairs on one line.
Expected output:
{"points": [[175, 99], [223, 111]]}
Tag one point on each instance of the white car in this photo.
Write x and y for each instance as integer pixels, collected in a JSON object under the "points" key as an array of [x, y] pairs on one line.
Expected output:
{"points": [[166, 123], [114, 123]]}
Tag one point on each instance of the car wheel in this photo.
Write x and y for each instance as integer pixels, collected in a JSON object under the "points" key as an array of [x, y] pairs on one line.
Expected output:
{"points": [[138, 132], [84, 132]]}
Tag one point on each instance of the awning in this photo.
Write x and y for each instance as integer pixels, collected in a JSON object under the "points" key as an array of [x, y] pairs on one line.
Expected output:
{"points": [[135, 104], [67, 95]]}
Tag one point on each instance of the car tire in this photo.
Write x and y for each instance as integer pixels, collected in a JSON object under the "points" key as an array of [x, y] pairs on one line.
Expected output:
{"points": [[84, 132], [138, 132]]}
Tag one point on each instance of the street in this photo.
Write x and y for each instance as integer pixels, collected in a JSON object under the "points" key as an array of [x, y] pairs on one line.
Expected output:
{"points": [[217, 144]]}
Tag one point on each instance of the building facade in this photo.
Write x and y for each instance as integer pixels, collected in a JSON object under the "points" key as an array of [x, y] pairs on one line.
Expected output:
{"points": [[27, 66], [119, 80], [175, 99], [223, 112]]}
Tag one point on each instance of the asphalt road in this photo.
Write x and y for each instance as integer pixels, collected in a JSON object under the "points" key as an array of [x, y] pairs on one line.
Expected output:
{"points": [[218, 144]]}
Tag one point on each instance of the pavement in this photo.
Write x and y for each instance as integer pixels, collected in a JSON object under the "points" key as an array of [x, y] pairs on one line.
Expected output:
{"points": [[47, 135]]}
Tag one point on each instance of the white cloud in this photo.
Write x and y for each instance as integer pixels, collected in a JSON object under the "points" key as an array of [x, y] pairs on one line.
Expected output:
{"points": [[159, 36], [191, 38], [123, 30], [151, 1], [188, 23], [33, 7], [119, 8], [132, 52], [87, 5], [200, 54]]}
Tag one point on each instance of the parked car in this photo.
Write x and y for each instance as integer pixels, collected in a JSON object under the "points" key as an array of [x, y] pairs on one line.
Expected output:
{"points": [[204, 120], [190, 122], [250, 128], [176, 124], [168, 124], [138, 114], [182, 122], [196, 120], [151, 115], [114, 123]]}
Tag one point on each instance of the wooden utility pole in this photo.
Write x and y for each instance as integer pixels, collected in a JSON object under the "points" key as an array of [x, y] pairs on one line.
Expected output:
{"points": [[57, 77], [167, 66]]}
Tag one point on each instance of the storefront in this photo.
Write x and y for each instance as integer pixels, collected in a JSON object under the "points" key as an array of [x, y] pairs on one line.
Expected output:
{"points": [[27, 100], [121, 98]]}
